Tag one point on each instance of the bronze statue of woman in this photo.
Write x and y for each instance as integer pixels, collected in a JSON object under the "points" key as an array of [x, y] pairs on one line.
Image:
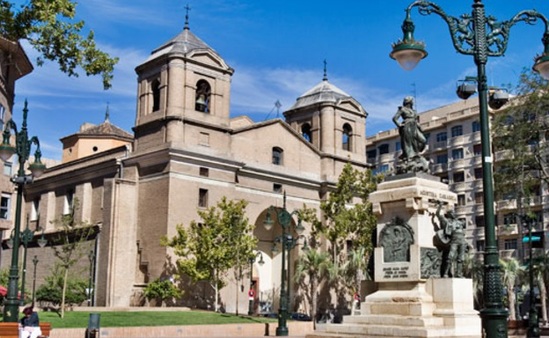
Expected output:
{"points": [[412, 139]]}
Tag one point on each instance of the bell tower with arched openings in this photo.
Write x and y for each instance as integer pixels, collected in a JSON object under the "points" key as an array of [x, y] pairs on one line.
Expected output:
{"points": [[183, 95]]}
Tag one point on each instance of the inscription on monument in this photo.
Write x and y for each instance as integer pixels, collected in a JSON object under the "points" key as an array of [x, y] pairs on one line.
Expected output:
{"points": [[395, 272], [438, 196]]}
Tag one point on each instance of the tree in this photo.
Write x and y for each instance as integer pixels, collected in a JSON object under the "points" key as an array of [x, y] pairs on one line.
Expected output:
{"points": [[50, 27], [512, 271], [520, 135], [68, 246], [474, 268], [161, 290], [52, 290], [354, 271], [311, 269], [207, 250]]}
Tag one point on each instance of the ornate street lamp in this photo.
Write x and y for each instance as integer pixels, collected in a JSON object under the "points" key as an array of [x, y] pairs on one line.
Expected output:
{"points": [[26, 236], [533, 320], [287, 242], [480, 36], [252, 261], [22, 150], [35, 262]]}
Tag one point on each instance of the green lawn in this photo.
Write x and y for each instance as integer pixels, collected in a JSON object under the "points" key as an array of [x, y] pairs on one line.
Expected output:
{"points": [[78, 319]]}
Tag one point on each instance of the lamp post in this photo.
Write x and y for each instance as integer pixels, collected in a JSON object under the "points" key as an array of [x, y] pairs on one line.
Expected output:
{"points": [[35, 262], [22, 150], [480, 36], [251, 296], [533, 320], [287, 242], [26, 236]]}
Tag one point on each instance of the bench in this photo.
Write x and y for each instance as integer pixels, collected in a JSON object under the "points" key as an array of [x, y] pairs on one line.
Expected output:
{"points": [[11, 330]]}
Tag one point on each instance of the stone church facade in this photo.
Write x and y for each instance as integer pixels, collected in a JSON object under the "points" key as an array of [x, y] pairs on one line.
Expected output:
{"points": [[185, 155]]}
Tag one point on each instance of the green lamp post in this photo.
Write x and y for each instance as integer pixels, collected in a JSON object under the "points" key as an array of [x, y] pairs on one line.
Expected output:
{"points": [[480, 36], [22, 150], [287, 242]]}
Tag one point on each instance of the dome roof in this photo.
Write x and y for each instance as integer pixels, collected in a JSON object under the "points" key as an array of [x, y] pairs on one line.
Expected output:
{"points": [[322, 92], [183, 43]]}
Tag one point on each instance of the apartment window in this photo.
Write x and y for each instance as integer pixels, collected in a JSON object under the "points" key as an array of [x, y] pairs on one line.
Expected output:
{"points": [[8, 168], [381, 169], [510, 244], [509, 219], [5, 206], [277, 157], [457, 154], [479, 197], [461, 200], [480, 245], [202, 96], [371, 154], [35, 209], [155, 88], [479, 220], [347, 137], [69, 202], [398, 146], [204, 172], [476, 126], [306, 132], [203, 198], [277, 187], [459, 177], [442, 158], [383, 149], [442, 137], [478, 173], [457, 131], [477, 149], [427, 135]]}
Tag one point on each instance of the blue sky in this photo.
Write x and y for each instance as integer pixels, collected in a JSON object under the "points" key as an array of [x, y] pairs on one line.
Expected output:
{"points": [[277, 49]]}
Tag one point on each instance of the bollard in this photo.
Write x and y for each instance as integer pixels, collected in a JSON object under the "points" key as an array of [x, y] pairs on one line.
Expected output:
{"points": [[93, 326]]}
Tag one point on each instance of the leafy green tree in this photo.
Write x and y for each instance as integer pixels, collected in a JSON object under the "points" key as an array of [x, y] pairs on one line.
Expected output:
{"points": [[348, 213], [354, 271], [207, 250], [161, 290], [520, 135], [50, 27], [55, 285], [312, 268], [69, 246]]}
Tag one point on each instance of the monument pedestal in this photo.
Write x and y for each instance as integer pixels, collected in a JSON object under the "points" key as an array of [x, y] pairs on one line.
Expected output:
{"points": [[412, 300]]}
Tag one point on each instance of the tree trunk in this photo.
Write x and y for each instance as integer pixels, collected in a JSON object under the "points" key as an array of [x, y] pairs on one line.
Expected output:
{"points": [[314, 300], [216, 306], [511, 298], [64, 291]]}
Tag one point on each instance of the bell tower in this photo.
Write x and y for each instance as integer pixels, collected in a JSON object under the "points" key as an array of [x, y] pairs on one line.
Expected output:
{"points": [[183, 94]]}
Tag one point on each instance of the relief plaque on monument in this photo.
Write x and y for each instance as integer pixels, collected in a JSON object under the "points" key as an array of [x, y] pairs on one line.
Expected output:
{"points": [[396, 238]]}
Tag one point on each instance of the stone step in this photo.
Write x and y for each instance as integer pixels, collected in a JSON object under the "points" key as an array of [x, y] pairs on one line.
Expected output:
{"points": [[394, 320], [398, 308], [357, 330]]}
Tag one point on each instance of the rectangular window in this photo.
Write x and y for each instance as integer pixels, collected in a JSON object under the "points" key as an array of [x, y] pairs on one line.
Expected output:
{"points": [[442, 158], [478, 173], [457, 131], [203, 198], [457, 154], [383, 149], [459, 177], [69, 202], [8, 169], [442, 137], [5, 206], [479, 197], [477, 149], [381, 169], [479, 220], [204, 172], [397, 146], [461, 200], [371, 154], [509, 219], [277, 188], [35, 210], [510, 244], [480, 245], [476, 126]]}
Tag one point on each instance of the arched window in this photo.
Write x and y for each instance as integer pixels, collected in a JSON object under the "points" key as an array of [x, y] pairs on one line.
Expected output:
{"points": [[346, 137], [306, 132], [278, 156], [202, 96], [155, 87]]}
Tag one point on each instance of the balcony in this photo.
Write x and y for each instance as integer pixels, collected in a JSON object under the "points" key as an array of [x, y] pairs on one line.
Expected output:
{"points": [[439, 168], [457, 141], [507, 229], [461, 186], [458, 164], [440, 145]]}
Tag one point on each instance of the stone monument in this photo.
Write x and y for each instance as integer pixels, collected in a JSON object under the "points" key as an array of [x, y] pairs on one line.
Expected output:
{"points": [[412, 299]]}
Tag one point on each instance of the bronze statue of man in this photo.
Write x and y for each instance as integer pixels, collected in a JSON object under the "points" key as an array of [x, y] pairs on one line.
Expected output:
{"points": [[412, 138], [452, 233]]}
